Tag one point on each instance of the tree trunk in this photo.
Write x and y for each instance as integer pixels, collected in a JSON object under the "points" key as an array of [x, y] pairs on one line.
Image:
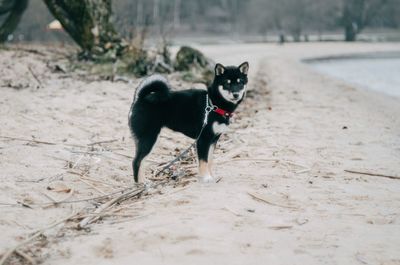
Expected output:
{"points": [[357, 15], [15, 8], [88, 23], [177, 14], [352, 18], [350, 32]]}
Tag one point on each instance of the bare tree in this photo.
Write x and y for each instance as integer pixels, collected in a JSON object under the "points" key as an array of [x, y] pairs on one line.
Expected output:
{"points": [[15, 9], [357, 14], [88, 23]]}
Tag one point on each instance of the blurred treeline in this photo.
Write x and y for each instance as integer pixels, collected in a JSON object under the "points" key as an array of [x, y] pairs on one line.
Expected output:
{"points": [[263, 20]]}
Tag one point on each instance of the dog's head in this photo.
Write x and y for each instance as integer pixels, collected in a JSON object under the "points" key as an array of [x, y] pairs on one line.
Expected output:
{"points": [[230, 82]]}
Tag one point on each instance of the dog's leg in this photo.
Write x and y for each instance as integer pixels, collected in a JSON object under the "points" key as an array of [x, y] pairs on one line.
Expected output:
{"points": [[143, 148], [211, 155], [203, 147], [210, 159]]}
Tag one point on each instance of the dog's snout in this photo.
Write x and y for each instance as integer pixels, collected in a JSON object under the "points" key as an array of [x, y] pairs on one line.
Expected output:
{"points": [[235, 95]]}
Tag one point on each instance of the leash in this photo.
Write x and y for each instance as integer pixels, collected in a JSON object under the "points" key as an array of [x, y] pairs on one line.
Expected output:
{"points": [[209, 107]]}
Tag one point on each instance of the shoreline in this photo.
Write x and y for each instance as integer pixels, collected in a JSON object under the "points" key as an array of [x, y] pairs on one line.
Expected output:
{"points": [[376, 72], [356, 56]]}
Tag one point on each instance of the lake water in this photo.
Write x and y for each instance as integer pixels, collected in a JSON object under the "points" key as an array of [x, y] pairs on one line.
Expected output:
{"points": [[379, 74]]}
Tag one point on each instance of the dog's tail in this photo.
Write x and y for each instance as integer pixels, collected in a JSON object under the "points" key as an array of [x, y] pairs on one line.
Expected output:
{"points": [[153, 89]]}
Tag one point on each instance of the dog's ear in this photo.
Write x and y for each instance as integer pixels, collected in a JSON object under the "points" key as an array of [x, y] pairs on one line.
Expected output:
{"points": [[219, 69], [244, 68]]}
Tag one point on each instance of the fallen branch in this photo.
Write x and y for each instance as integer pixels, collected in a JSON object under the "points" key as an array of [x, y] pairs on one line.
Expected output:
{"points": [[372, 174]]}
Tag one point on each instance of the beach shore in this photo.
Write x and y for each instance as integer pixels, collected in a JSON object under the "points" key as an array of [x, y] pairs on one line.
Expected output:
{"points": [[287, 193]]}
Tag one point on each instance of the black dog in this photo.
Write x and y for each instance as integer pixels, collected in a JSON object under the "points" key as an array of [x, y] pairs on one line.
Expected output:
{"points": [[199, 114]]}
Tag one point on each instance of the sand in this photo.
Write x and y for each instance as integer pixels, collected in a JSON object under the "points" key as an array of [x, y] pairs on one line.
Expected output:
{"points": [[284, 196]]}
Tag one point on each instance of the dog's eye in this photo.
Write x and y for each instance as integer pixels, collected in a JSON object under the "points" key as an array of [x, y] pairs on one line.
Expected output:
{"points": [[228, 81], [239, 80]]}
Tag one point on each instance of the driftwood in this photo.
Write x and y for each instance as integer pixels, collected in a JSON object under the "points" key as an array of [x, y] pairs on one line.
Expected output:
{"points": [[372, 174]]}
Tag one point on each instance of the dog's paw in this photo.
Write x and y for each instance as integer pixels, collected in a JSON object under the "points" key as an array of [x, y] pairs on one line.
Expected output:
{"points": [[206, 179]]}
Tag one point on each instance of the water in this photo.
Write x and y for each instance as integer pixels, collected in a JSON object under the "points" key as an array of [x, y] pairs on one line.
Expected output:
{"points": [[379, 74]]}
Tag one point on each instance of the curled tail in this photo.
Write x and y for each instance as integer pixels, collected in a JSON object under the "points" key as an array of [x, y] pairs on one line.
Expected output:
{"points": [[153, 89]]}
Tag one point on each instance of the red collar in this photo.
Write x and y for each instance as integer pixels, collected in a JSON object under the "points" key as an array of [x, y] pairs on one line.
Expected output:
{"points": [[222, 112]]}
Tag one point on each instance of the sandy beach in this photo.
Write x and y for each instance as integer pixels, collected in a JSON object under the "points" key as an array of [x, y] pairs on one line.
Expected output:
{"points": [[286, 195]]}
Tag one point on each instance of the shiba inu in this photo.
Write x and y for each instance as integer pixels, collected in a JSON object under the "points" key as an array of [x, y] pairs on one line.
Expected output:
{"points": [[199, 114]]}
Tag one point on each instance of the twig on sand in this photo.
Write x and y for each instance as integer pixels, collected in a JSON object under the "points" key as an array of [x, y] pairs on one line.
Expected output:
{"points": [[260, 198], [97, 214], [25, 256], [94, 198], [29, 50], [35, 235], [372, 174], [248, 159], [92, 186], [34, 76], [39, 142], [231, 211], [83, 175], [27, 140], [67, 201], [56, 202], [303, 171], [280, 227], [103, 142], [120, 154]]}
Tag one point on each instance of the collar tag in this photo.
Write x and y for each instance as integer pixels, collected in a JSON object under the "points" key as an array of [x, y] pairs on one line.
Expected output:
{"points": [[224, 113]]}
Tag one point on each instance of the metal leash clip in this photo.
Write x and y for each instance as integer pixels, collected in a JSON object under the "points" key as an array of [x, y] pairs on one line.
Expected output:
{"points": [[207, 110]]}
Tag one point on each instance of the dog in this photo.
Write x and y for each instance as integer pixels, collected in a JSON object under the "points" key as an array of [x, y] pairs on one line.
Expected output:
{"points": [[199, 114]]}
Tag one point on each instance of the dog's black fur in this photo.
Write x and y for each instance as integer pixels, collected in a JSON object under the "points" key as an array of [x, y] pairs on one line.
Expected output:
{"points": [[155, 106]]}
